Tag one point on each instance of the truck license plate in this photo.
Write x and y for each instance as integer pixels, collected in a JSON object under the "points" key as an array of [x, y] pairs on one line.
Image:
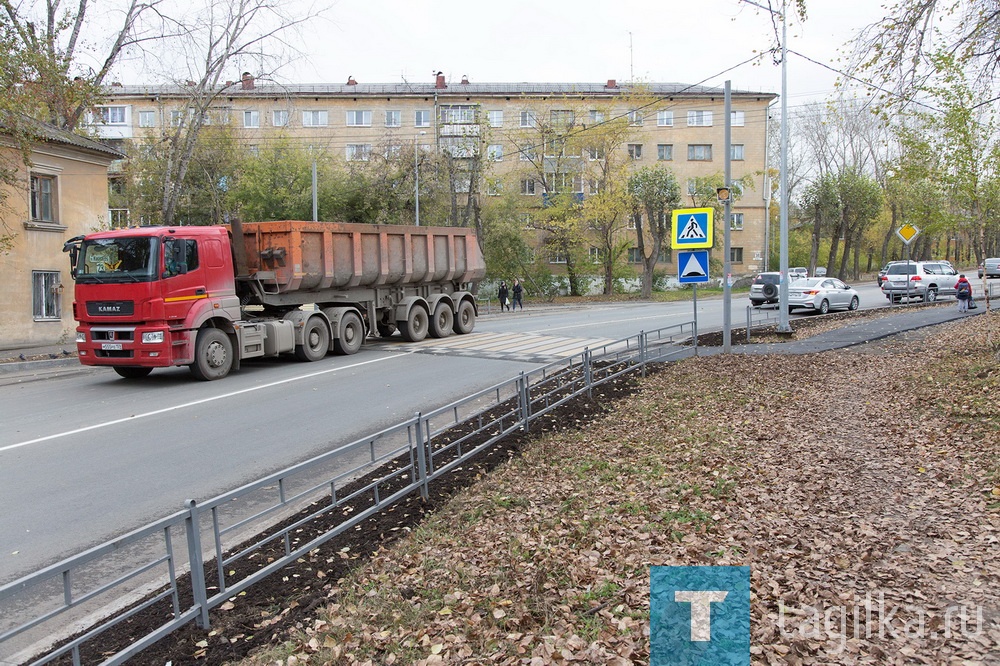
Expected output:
{"points": [[111, 346]]}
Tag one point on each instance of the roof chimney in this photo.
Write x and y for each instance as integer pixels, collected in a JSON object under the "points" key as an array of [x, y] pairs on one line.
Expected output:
{"points": [[465, 79], [351, 81], [439, 83], [611, 84], [247, 81]]}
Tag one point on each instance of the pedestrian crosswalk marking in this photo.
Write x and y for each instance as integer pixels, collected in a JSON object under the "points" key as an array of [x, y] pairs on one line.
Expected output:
{"points": [[515, 346]]}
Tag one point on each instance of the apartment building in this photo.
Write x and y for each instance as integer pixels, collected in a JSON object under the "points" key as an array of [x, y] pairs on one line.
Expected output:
{"points": [[525, 132]]}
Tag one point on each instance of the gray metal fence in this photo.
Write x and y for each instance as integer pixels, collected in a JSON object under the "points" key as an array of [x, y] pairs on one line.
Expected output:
{"points": [[220, 542]]}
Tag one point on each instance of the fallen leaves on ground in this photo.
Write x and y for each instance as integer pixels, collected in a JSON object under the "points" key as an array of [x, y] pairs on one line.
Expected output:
{"points": [[860, 486]]}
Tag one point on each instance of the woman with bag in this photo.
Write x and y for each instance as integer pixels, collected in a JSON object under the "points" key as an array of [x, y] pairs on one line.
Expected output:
{"points": [[963, 291]]}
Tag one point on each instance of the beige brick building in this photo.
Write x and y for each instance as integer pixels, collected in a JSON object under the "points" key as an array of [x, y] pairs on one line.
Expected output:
{"points": [[63, 193], [673, 125]]}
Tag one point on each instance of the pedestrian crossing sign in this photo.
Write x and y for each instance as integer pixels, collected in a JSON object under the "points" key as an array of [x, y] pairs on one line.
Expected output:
{"points": [[692, 267], [692, 228]]}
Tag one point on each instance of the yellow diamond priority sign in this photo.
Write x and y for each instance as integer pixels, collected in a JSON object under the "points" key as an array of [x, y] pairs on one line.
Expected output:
{"points": [[907, 233]]}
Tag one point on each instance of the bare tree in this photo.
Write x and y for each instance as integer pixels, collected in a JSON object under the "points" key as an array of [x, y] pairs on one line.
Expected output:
{"points": [[224, 33]]}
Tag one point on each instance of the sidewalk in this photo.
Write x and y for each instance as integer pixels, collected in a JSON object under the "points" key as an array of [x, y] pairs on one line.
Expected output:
{"points": [[864, 330]]}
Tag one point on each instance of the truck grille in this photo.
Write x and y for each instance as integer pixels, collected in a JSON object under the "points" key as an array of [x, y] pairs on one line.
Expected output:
{"points": [[110, 308]]}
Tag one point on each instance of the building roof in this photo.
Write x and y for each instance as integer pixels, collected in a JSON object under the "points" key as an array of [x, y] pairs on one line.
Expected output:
{"points": [[259, 89], [40, 131]]}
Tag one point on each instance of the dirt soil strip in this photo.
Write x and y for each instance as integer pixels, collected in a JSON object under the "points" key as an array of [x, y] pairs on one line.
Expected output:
{"points": [[860, 486]]}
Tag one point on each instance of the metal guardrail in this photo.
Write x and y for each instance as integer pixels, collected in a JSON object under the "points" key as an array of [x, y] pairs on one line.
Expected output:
{"points": [[760, 318], [228, 543]]}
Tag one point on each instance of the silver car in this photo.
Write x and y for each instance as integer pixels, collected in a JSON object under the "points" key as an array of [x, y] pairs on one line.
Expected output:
{"points": [[919, 279], [821, 295], [991, 267]]}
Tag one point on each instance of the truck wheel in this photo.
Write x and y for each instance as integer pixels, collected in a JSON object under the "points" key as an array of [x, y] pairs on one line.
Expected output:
{"points": [[443, 321], [352, 334], [414, 329], [213, 355], [129, 372], [315, 341], [466, 319]]}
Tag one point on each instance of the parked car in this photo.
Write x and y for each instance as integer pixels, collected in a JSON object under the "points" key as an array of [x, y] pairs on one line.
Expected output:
{"points": [[764, 288], [822, 295], [798, 272], [820, 271], [925, 280], [991, 267], [881, 273]]}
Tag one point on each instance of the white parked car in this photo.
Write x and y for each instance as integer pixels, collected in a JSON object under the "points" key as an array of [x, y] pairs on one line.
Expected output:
{"points": [[822, 295], [991, 267], [798, 272], [925, 280]]}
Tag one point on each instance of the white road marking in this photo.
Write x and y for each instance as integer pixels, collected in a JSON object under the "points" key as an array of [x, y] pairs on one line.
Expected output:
{"points": [[194, 403]]}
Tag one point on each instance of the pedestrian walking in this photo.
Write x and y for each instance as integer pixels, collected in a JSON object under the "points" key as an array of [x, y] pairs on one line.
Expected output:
{"points": [[963, 291], [502, 293], [518, 294]]}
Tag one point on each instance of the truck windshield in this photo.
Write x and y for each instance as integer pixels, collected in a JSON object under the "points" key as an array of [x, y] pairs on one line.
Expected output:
{"points": [[117, 260]]}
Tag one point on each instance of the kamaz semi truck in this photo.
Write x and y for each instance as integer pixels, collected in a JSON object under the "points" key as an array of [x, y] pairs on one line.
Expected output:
{"points": [[210, 297]]}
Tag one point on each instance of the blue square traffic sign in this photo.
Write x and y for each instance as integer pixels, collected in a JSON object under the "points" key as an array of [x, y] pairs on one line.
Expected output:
{"points": [[692, 228], [699, 615], [692, 267]]}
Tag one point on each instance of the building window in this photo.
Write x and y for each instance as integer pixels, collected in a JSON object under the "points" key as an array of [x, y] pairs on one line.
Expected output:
{"points": [[359, 152], [393, 119], [664, 151], [526, 220], [634, 256], [736, 221], [557, 257], [254, 150], [251, 119], [528, 119], [736, 255], [633, 220], [664, 118], [393, 151], [279, 118], [494, 152], [45, 295], [147, 119], [736, 151], [527, 154], [176, 118], [422, 119], [635, 151], [111, 115], [595, 186], [43, 190], [596, 256], [635, 118], [315, 119], [692, 186], [699, 118], [564, 182], [460, 114], [596, 117], [596, 153], [562, 119], [737, 118], [494, 187], [460, 146], [359, 118], [700, 152], [496, 118], [528, 186]]}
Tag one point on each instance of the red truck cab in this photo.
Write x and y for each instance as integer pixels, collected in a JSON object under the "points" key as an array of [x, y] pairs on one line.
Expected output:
{"points": [[143, 293]]}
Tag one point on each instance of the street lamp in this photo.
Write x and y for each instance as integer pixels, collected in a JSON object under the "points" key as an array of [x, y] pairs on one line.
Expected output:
{"points": [[416, 176]]}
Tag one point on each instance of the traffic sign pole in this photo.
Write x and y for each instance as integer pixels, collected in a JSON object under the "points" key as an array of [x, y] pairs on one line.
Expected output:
{"points": [[727, 292]]}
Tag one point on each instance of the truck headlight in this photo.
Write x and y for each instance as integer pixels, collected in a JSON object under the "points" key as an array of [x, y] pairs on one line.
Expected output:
{"points": [[81, 336], [152, 337]]}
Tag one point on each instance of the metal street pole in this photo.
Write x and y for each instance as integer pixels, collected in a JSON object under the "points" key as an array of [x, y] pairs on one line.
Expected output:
{"points": [[727, 268], [783, 231]]}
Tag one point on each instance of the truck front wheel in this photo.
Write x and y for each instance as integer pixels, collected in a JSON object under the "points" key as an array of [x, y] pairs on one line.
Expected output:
{"points": [[414, 329], [315, 341], [443, 320], [352, 334], [466, 319], [213, 355]]}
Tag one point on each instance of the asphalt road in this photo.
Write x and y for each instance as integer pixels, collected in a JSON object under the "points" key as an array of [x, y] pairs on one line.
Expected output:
{"points": [[86, 456]]}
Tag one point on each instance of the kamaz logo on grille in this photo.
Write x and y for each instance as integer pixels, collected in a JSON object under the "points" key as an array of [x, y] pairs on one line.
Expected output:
{"points": [[110, 308]]}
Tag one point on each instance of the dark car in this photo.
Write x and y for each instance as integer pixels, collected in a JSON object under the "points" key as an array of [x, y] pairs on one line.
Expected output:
{"points": [[764, 288]]}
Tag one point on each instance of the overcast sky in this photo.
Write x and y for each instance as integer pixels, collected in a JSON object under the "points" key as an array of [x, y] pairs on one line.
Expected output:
{"points": [[683, 41]]}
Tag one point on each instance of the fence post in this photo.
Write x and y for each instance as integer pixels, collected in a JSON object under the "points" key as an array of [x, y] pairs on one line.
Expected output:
{"points": [[642, 352], [421, 458], [523, 400], [749, 321], [192, 526], [588, 376]]}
